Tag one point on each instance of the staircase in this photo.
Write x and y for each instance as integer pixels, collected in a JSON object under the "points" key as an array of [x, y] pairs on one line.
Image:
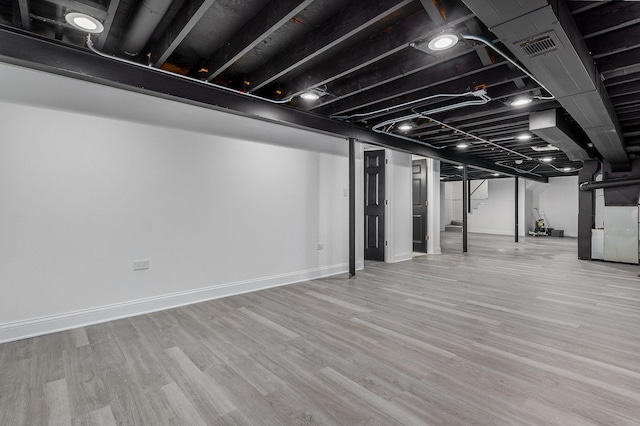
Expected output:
{"points": [[454, 226]]}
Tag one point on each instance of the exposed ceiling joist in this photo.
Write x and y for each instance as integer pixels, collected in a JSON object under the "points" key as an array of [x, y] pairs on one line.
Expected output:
{"points": [[581, 91], [24, 14], [254, 32], [433, 12], [108, 22], [90, 7], [27, 50], [181, 25], [355, 17], [393, 40], [618, 15]]}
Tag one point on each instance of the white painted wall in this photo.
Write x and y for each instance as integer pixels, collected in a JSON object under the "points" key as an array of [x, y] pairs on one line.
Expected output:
{"points": [[398, 217], [557, 201], [434, 208], [93, 177], [496, 214]]}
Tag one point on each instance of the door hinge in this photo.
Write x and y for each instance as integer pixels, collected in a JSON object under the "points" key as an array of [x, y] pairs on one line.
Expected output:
{"points": [[426, 203], [426, 237], [386, 243], [386, 202], [386, 161]]}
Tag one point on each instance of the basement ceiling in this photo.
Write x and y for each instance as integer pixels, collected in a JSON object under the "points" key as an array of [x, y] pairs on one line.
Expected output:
{"points": [[370, 63]]}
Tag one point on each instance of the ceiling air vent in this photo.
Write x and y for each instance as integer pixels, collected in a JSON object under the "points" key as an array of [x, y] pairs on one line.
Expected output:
{"points": [[539, 45]]}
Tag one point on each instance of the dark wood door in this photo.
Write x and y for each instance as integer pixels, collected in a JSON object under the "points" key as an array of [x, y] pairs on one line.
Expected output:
{"points": [[374, 202], [419, 196]]}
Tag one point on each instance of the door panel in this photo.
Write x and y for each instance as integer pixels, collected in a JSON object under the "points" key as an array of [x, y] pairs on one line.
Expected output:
{"points": [[419, 197], [374, 205]]}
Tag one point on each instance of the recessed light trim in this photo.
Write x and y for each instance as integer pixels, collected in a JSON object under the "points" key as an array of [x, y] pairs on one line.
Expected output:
{"points": [[84, 22], [310, 96], [524, 137], [443, 42], [404, 127], [521, 101]]}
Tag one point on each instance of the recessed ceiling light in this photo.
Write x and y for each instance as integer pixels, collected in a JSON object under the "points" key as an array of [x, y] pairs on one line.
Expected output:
{"points": [[459, 167], [567, 169], [546, 159], [496, 174], [84, 22], [521, 100], [462, 145], [405, 127], [523, 137], [519, 161], [443, 42], [310, 96]]}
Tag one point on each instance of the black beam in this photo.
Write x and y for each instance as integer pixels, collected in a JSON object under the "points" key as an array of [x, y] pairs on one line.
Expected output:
{"points": [[602, 20], [262, 25], [614, 42], [25, 49], [617, 61], [516, 209], [468, 194], [352, 208], [465, 201], [384, 46], [433, 12], [586, 210], [89, 7], [352, 19], [108, 23], [396, 85], [25, 20], [187, 18]]}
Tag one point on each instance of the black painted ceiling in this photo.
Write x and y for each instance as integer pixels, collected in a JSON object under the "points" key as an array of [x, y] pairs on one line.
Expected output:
{"points": [[361, 55]]}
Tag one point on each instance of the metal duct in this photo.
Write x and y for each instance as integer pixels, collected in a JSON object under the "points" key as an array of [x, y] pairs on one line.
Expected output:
{"points": [[590, 186], [553, 128], [143, 24], [545, 39]]}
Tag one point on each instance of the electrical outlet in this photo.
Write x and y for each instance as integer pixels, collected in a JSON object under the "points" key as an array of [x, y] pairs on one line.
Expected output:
{"points": [[320, 246], [139, 265]]}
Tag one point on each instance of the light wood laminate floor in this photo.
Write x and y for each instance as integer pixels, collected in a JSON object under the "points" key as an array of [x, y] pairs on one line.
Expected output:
{"points": [[521, 334]]}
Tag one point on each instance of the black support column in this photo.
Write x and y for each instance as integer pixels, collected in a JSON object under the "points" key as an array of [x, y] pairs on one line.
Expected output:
{"points": [[586, 209], [465, 202], [517, 215], [352, 207]]}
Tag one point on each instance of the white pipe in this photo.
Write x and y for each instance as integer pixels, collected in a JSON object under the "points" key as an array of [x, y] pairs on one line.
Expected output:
{"points": [[172, 74], [477, 93], [378, 128]]}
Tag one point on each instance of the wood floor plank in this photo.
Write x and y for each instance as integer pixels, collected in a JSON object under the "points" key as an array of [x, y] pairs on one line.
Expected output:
{"points": [[57, 400], [490, 337]]}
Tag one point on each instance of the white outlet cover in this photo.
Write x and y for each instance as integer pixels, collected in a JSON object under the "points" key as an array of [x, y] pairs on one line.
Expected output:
{"points": [[139, 265]]}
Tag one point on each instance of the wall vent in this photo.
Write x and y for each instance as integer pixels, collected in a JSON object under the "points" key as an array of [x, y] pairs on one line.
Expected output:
{"points": [[539, 45]]}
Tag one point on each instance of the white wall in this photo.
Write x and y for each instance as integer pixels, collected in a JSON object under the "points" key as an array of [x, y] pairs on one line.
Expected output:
{"points": [[92, 178], [558, 200], [398, 217], [496, 214], [434, 208]]}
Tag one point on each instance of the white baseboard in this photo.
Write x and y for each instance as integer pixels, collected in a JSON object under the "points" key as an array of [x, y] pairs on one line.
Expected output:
{"points": [[54, 323], [402, 257]]}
